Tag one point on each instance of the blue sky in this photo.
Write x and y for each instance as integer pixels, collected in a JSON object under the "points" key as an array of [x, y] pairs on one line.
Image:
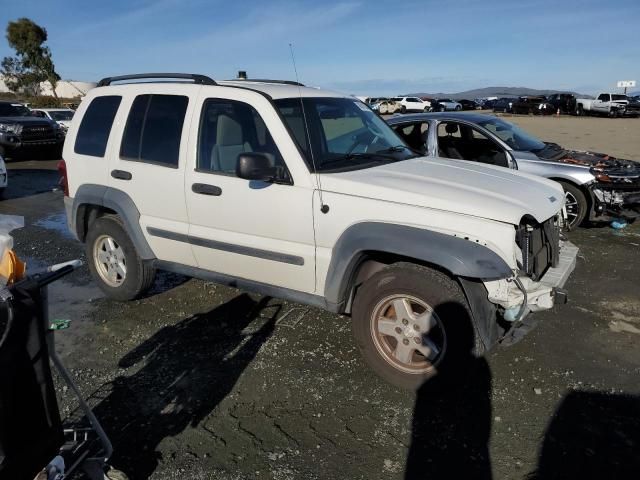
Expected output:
{"points": [[355, 46]]}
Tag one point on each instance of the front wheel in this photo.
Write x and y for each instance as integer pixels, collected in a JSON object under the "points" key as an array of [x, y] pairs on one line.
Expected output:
{"points": [[114, 262], [403, 109], [458, 108], [576, 204], [410, 323]]}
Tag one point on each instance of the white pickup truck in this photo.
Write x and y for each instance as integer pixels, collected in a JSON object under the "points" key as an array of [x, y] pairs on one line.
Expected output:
{"points": [[611, 104]]}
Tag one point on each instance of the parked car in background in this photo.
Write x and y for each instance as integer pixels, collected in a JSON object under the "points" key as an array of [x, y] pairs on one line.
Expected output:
{"points": [[469, 105], [565, 102], [382, 105], [633, 107], [609, 104], [412, 104], [4, 177], [62, 116], [487, 103], [532, 105], [217, 180], [597, 186], [445, 105], [20, 131], [503, 104]]}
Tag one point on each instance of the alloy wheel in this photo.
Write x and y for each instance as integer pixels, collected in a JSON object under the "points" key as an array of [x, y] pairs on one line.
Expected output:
{"points": [[408, 334], [109, 260]]}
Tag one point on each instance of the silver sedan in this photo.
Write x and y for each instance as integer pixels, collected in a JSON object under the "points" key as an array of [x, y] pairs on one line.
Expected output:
{"points": [[598, 187]]}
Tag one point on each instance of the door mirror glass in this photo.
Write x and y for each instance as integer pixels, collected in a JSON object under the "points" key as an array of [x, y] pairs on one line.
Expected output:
{"points": [[255, 166]]}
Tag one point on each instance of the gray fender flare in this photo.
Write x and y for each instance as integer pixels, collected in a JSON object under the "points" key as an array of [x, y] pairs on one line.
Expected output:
{"points": [[463, 258], [119, 202]]}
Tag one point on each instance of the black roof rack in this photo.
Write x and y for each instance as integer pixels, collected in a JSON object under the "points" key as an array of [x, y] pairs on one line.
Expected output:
{"points": [[264, 80], [199, 79]]}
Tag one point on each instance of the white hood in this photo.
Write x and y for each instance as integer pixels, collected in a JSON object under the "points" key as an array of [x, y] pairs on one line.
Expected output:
{"points": [[496, 193]]}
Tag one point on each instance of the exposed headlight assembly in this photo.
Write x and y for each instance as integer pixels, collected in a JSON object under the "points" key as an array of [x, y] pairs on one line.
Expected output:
{"points": [[10, 128]]}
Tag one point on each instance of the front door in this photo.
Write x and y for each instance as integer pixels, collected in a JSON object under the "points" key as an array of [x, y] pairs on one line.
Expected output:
{"points": [[252, 230]]}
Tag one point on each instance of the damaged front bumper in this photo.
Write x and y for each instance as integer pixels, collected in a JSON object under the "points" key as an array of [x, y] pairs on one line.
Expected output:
{"points": [[615, 200], [519, 295]]}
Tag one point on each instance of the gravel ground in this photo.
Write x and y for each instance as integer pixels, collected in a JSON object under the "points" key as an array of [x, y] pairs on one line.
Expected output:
{"points": [[202, 381]]}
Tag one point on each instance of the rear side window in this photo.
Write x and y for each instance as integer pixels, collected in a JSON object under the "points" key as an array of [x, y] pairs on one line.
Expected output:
{"points": [[95, 128], [154, 128]]}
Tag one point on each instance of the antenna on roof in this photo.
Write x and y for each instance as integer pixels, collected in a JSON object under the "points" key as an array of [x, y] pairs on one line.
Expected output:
{"points": [[323, 207]]}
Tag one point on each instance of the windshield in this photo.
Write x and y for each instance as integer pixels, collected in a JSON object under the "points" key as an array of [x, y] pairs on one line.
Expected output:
{"points": [[345, 134], [61, 115], [14, 110], [513, 136]]}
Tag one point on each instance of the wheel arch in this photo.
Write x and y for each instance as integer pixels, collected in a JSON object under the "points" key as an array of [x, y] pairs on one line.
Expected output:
{"points": [[365, 248], [94, 201]]}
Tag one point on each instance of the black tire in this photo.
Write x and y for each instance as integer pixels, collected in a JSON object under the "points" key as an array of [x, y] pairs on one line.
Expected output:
{"points": [[580, 110], [441, 108], [577, 216], [458, 108], [453, 330], [139, 275], [403, 109], [426, 109]]}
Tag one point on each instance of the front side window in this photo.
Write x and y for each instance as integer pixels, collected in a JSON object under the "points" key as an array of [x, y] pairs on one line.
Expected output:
{"points": [[95, 127], [604, 97], [340, 133], [229, 128], [154, 129]]}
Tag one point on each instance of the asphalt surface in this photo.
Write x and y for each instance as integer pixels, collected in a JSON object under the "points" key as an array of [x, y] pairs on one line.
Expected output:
{"points": [[202, 381]]}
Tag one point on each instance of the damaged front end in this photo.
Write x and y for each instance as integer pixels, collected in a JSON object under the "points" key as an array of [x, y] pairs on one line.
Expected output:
{"points": [[615, 193], [544, 265]]}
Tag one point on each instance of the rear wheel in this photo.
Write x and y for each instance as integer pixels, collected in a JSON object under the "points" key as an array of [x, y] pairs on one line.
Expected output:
{"points": [[458, 108], [114, 262], [403, 109], [576, 204], [411, 323], [580, 111]]}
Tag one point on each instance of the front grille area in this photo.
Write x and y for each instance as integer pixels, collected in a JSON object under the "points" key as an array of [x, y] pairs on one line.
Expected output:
{"points": [[540, 245], [36, 133]]}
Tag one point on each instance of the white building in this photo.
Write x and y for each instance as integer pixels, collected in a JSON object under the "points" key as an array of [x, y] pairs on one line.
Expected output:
{"points": [[64, 88]]}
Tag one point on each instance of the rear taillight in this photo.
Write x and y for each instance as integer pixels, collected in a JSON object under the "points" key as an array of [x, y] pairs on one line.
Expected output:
{"points": [[63, 182]]}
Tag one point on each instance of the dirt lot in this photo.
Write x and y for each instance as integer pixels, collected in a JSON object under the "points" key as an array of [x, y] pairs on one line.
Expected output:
{"points": [[202, 381]]}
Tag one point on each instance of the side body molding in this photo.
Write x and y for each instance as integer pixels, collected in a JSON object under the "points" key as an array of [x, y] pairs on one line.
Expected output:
{"points": [[119, 202], [461, 257]]}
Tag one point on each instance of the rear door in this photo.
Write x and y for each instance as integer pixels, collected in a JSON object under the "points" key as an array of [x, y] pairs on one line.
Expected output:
{"points": [[148, 163]]}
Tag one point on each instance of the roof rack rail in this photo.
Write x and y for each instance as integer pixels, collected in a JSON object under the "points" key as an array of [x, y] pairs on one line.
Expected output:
{"points": [[199, 79], [264, 80]]}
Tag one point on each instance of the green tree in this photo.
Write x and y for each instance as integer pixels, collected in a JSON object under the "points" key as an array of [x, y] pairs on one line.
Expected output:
{"points": [[33, 62]]}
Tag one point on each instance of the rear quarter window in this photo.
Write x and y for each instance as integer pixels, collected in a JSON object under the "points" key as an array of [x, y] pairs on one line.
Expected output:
{"points": [[93, 134]]}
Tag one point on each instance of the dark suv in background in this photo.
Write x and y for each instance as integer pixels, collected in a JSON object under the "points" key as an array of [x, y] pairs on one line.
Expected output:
{"points": [[21, 132], [565, 102]]}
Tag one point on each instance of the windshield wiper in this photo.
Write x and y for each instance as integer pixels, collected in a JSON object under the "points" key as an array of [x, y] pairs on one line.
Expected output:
{"points": [[394, 149]]}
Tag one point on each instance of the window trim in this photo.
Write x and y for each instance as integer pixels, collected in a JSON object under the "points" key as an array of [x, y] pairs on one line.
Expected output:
{"points": [[144, 122], [288, 181]]}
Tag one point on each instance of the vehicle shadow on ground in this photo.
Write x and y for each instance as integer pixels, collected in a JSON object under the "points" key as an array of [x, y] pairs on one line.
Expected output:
{"points": [[452, 414], [27, 182], [187, 369], [592, 435]]}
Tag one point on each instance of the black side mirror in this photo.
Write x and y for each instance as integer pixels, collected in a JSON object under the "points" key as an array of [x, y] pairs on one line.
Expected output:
{"points": [[255, 166]]}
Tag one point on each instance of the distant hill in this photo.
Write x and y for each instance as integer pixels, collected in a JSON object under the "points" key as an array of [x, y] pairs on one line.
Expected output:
{"points": [[494, 92]]}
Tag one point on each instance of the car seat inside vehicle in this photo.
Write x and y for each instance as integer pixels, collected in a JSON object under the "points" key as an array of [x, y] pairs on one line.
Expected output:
{"points": [[229, 144], [462, 142]]}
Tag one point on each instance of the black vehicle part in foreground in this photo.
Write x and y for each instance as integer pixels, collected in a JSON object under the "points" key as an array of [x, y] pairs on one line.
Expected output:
{"points": [[31, 431]]}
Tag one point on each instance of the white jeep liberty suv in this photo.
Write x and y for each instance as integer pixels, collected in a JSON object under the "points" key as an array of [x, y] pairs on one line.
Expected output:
{"points": [[308, 195]]}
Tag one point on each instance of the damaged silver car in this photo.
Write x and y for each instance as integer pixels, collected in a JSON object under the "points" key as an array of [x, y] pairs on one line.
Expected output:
{"points": [[598, 187]]}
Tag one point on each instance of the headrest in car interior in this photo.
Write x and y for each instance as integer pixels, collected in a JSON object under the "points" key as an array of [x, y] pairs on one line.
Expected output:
{"points": [[229, 131], [451, 128]]}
